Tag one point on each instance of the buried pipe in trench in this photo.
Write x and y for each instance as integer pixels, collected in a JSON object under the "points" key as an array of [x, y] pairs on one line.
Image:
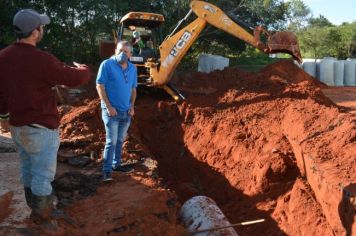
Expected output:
{"points": [[208, 214], [200, 213]]}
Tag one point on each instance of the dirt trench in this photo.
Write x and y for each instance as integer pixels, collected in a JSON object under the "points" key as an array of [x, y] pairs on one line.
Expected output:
{"points": [[267, 145], [237, 139]]}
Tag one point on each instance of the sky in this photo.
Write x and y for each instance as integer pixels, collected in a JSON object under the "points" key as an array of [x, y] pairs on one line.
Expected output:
{"points": [[336, 11]]}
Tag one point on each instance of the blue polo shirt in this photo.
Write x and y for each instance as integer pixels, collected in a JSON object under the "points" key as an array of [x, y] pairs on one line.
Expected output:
{"points": [[118, 83]]}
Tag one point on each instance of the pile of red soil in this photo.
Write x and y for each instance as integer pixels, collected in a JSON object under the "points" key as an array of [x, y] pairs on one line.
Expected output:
{"points": [[82, 129], [231, 140]]}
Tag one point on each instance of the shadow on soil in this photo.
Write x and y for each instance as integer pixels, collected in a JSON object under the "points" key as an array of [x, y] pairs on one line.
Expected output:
{"points": [[189, 177]]}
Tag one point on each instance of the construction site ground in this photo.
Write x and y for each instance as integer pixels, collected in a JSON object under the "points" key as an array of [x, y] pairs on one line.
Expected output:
{"points": [[275, 145]]}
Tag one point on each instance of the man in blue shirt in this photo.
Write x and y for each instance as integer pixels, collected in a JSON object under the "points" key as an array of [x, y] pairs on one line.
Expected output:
{"points": [[116, 85]]}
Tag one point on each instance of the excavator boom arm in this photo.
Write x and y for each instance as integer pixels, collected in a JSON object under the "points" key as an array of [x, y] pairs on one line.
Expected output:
{"points": [[173, 49], [216, 17]]}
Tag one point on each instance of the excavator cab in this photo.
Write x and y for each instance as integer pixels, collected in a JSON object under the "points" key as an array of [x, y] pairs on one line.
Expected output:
{"points": [[142, 30]]}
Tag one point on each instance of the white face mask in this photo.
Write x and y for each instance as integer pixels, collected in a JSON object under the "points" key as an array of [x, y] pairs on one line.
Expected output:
{"points": [[121, 58]]}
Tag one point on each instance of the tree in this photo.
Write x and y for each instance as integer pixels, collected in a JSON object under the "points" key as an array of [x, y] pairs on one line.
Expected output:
{"points": [[311, 42], [8, 9], [348, 35], [336, 41], [268, 13], [320, 21], [352, 48], [77, 25], [298, 15], [246, 13]]}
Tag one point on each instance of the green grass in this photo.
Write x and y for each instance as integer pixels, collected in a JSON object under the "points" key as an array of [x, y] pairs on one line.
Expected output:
{"points": [[250, 60], [253, 64]]}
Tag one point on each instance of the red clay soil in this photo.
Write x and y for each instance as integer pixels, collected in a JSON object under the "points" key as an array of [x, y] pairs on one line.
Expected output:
{"points": [[5, 201], [228, 141], [343, 96], [131, 205], [82, 128], [231, 140]]}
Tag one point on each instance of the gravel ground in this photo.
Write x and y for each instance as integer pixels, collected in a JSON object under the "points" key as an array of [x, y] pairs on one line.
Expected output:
{"points": [[10, 181]]}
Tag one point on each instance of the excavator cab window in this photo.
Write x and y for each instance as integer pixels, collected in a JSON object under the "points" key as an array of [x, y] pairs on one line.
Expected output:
{"points": [[143, 40], [138, 36]]}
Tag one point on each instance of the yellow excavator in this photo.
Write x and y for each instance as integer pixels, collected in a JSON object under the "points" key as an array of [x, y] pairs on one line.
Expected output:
{"points": [[156, 63]]}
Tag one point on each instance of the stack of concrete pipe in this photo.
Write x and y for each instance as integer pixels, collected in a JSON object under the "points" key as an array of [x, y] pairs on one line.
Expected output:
{"points": [[209, 63], [331, 71]]}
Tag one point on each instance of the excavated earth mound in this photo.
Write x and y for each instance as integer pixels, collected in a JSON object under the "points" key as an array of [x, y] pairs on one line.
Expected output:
{"points": [[267, 145], [82, 128]]}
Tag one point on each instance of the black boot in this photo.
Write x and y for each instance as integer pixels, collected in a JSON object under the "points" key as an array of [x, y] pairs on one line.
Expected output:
{"points": [[42, 208], [28, 196]]}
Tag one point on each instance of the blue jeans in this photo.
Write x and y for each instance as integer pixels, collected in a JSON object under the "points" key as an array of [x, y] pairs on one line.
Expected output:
{"points": [[37, 148], [116, 129]]}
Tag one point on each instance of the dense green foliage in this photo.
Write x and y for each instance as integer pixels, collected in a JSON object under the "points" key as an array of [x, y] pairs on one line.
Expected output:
{"points": [[318, 37], [320, 40], [77, 25], [298, 15]]}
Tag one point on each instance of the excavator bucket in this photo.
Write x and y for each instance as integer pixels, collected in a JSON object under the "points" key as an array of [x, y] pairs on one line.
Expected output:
{"points": [[284, 42]]}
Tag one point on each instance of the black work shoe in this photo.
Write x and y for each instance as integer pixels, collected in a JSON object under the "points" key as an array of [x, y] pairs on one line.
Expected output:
{"points": [[123, 169], [107, 177]]}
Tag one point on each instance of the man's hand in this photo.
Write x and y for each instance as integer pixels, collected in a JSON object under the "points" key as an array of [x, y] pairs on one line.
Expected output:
{"points": [[112, 111], [4, 126], [78, 65], [132, 111]]}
